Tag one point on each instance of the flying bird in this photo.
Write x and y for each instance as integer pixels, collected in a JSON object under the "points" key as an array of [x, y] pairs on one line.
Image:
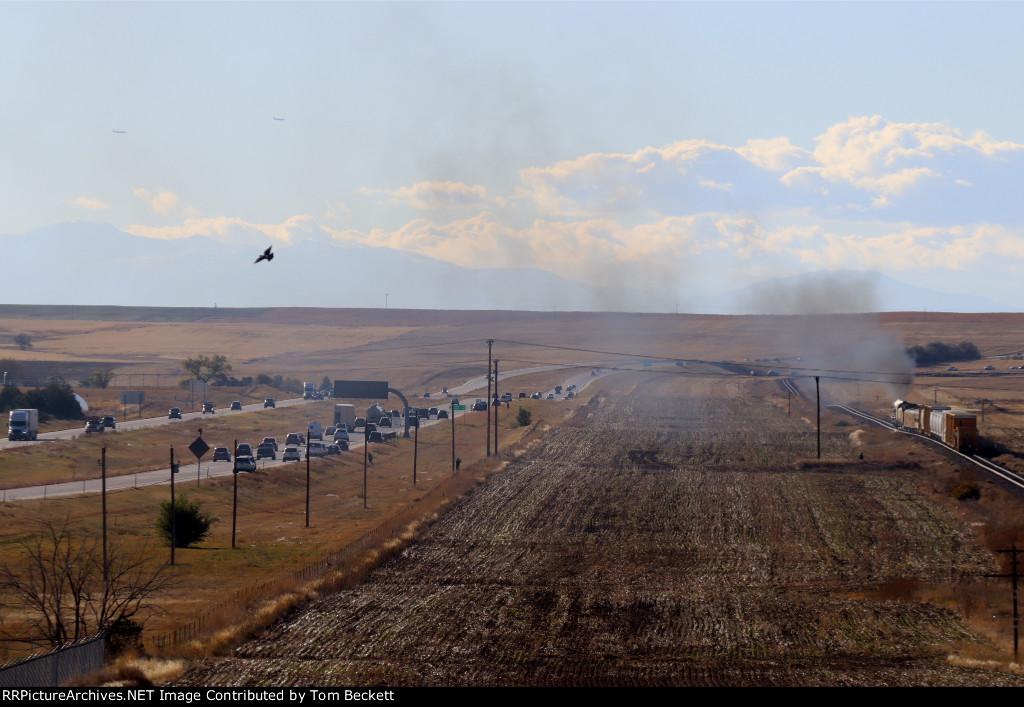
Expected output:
{"points": [[120, 132], [276, 118], [267, 255]]}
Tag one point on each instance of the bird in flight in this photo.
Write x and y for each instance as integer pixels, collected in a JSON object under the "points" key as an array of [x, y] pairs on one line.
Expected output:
{"points": [[267, 255], [276, 118], [120, 132]]}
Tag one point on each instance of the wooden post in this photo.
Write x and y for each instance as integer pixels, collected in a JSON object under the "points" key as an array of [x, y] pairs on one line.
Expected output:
{"points": [[817, 394], [489, 343], [1012, 575]]}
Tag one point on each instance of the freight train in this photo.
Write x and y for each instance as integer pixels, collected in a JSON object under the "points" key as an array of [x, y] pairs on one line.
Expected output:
{"points": [[954, 428]]}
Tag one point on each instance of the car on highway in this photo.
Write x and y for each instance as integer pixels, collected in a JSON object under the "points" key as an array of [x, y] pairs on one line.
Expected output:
{"points": [[506, 398], [376, 437], [245, 463], [317, 449], [340, 434], [270, 440], [551, 396], [236, 404], [432, 412], [243, 450], [93, 426], [333, 449], [385, 421], [523, 395], [342, 444], [266, 451], [426, 395], [360, 422], [479, 406], [291, 454], [442, 414], [269, 403], [208, 408], [222, 454], [174, 414], [109, 422], [293, 439]]}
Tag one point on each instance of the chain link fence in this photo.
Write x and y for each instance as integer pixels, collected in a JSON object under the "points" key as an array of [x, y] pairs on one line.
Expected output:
{"points": [[55, 668]]}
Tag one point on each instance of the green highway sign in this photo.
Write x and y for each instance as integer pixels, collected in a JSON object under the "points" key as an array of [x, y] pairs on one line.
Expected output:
{"points": [[458, 407]]}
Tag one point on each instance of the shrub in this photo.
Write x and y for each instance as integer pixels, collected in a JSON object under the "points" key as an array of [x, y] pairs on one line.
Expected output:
{"points": [[100, 378], [965, 492], [523, 417], [191, 522], [122, 634]]}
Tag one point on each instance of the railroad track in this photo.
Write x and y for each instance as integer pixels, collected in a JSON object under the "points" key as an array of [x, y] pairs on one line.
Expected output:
{"points": [[789, 386], [1011, 477]]}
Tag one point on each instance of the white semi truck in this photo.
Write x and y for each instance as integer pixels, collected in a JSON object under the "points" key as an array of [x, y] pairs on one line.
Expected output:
{"points": [[23, 424], [308, 390], [345, 414]]}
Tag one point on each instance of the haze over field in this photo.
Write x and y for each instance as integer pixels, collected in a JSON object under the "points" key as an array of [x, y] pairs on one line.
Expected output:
{"points": [[512, 155]]}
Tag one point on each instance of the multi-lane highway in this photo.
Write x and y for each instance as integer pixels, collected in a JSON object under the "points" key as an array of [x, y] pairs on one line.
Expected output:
{"points": [[195, 472]]}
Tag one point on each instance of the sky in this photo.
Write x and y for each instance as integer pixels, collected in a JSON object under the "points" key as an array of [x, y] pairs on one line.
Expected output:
{"points": [[683, 147]]}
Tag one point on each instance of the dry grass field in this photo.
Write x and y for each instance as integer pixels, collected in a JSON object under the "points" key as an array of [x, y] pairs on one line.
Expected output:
{"points": [[669, 527]]}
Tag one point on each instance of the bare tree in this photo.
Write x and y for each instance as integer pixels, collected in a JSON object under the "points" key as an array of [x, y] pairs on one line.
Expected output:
{"points": [[60, 583]]}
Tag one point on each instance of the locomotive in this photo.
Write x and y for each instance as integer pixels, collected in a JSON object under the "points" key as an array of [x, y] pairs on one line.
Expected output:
{"points": [[954, 428]]}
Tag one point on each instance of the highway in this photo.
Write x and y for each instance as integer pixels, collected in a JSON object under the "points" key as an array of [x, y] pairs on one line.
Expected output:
{"points": [[194, 472]]}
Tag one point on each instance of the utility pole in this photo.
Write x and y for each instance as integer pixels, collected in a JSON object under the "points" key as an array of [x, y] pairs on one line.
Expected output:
{"points": [[817, 394], [173, 508], [453, 437], [496, 406], [103, 466], [490, 342], [1013, 575], [234, 500], [307, 484], [415, 449], [366, 450]]}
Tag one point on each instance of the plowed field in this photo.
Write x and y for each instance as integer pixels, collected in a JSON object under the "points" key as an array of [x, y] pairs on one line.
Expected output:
{"points": [[661, 538]]}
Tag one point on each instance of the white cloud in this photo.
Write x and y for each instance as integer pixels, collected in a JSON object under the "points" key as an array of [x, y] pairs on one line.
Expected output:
{"points": [[233, 230], [91, 204], [437, 195], [164, 203]]}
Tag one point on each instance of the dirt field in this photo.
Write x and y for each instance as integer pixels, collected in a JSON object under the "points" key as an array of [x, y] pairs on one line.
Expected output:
{"points": [[663, 537]]}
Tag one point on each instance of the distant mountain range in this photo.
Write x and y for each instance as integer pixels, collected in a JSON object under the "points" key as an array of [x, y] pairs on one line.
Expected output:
{"points": [[90, 263]]}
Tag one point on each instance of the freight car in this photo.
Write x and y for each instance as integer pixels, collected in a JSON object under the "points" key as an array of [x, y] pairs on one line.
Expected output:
{"points": [[954, 428]]}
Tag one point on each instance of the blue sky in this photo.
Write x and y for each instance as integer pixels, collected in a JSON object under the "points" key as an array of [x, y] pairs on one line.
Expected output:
{"points": [[689, 146]]}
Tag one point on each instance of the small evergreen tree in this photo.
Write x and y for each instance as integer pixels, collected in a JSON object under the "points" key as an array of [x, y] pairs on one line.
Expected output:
{"points": [[191, 522], [523, 417]]}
